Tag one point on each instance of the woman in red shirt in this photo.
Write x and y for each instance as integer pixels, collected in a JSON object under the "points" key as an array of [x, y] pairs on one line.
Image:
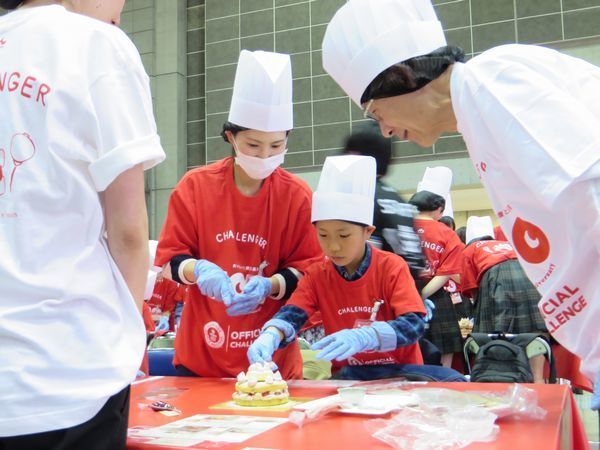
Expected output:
{"points": [[442, 248], [239, 230]]}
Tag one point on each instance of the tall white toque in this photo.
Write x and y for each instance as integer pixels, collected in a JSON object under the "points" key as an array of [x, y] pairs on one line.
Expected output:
{"points": [[439, 181], [478, 227], [346, 190], [262, 92], [365, 37]]}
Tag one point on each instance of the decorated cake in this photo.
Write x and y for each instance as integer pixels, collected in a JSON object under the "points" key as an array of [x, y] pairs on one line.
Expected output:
{"points": [[260, 386], [466, 326]]}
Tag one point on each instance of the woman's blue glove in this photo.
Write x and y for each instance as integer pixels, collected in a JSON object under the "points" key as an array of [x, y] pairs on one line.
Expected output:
{"points": [[213, 281], [253, 295], [345, 343], [429, 307], [163, 324], [264, 346]]}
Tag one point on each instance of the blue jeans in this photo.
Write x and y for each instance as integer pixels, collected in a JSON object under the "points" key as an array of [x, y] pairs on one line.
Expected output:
{"points": [[413, 372]]}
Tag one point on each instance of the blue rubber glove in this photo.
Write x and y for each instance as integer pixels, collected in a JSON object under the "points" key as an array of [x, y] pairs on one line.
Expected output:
{"points": [[253, 295], [345, 343], [596, 397], [213, 281], [264, 346], [429, 306], [163, 324]]}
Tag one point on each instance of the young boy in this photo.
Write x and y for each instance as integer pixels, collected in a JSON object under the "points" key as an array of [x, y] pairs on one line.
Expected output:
{"points": [[372, 312]]}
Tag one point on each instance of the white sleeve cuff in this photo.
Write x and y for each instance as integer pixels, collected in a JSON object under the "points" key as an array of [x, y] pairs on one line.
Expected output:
{"points": [[183, 279], [282, 286], [146, 150]]}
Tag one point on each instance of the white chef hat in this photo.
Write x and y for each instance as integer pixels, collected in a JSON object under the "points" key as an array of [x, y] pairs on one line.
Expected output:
{"points": [[262, 92], [478, 227], [346, 189], [365, 37], [439, 181]]}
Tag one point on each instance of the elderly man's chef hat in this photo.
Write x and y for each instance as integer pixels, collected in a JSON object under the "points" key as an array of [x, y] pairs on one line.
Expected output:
{"points": [[365, 37], [262, 92], [478, 227], [346, 190], [439, 181]]}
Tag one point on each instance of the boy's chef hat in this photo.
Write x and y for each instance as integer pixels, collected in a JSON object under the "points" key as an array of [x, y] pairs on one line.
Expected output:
{"points": [[478, 227], [365, 37], [346, 190], [262, 92], [439, 181]]}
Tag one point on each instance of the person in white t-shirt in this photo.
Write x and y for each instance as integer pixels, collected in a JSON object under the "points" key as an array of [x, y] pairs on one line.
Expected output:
{"points": [[76, 131], [530, 117]]}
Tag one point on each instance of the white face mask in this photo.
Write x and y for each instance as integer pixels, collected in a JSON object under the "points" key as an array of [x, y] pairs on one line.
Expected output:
{"points": [[255, 167]]}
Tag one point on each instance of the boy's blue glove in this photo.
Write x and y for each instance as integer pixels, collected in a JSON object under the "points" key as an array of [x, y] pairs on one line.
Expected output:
{"points": [[213, 281], [345, 343], [163, 324], [596, 397], [429, 307], [253, 295], [264, 346]]}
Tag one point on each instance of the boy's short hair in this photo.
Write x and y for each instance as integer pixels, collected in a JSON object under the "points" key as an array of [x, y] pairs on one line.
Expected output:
{"points": [[367, 140]]}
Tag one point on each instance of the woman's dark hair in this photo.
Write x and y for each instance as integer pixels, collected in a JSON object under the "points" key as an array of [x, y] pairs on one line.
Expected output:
{"points": [[462, 234], [10, 4], [367, 140], [448, 221], [235, 129], [412, 74], [427, 201]]}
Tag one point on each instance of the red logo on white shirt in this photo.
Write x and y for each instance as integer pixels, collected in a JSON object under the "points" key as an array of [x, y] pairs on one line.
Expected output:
{"points": [[22, 149], [2, 42], [214, 335], [530, 241]]}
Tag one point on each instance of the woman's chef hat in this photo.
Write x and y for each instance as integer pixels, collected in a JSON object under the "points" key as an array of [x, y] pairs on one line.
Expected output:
{"points": [[346, 190], [365, 37], [439, 181], [479, 227], [262, 92]]}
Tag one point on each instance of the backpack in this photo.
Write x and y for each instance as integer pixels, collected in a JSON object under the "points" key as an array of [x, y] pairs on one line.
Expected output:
{"points": [[502, 358]]}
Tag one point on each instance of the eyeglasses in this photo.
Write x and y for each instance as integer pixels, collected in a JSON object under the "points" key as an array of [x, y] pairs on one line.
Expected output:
{"points": [[368, 114]]}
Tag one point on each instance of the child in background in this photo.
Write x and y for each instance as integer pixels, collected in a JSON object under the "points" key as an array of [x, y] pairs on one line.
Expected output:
{"points": [[372, 312], [505, 299], [162, 303], [442, 248]]}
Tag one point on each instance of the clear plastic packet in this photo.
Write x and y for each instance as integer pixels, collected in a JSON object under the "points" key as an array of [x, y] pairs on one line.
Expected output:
{"points": [[388, 384], [516, 401], [437, 428], [314, 413]]}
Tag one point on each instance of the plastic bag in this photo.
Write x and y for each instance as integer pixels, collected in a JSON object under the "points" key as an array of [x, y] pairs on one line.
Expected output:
{"points": [[436, 428]]}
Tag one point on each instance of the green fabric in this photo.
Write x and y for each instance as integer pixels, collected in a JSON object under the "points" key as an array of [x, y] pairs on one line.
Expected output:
{"points": [[313, 368]]}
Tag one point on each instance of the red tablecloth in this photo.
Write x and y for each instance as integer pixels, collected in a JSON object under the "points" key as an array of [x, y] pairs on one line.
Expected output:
{"points": [[561, 429]]}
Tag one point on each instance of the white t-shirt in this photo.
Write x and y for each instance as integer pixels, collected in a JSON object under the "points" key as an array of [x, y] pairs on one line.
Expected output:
{"points": [[75, 112], [531, 119]]}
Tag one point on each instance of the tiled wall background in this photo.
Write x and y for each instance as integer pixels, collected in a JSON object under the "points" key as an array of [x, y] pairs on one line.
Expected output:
{"points": [[323, 114], [196, 97]]}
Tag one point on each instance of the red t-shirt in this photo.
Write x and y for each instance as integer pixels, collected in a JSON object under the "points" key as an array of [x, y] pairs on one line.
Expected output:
{"points": [[342, 302], [163, 300], [147, 316], [209, 218], [499, 234], [441, 246], [478, 258]]}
